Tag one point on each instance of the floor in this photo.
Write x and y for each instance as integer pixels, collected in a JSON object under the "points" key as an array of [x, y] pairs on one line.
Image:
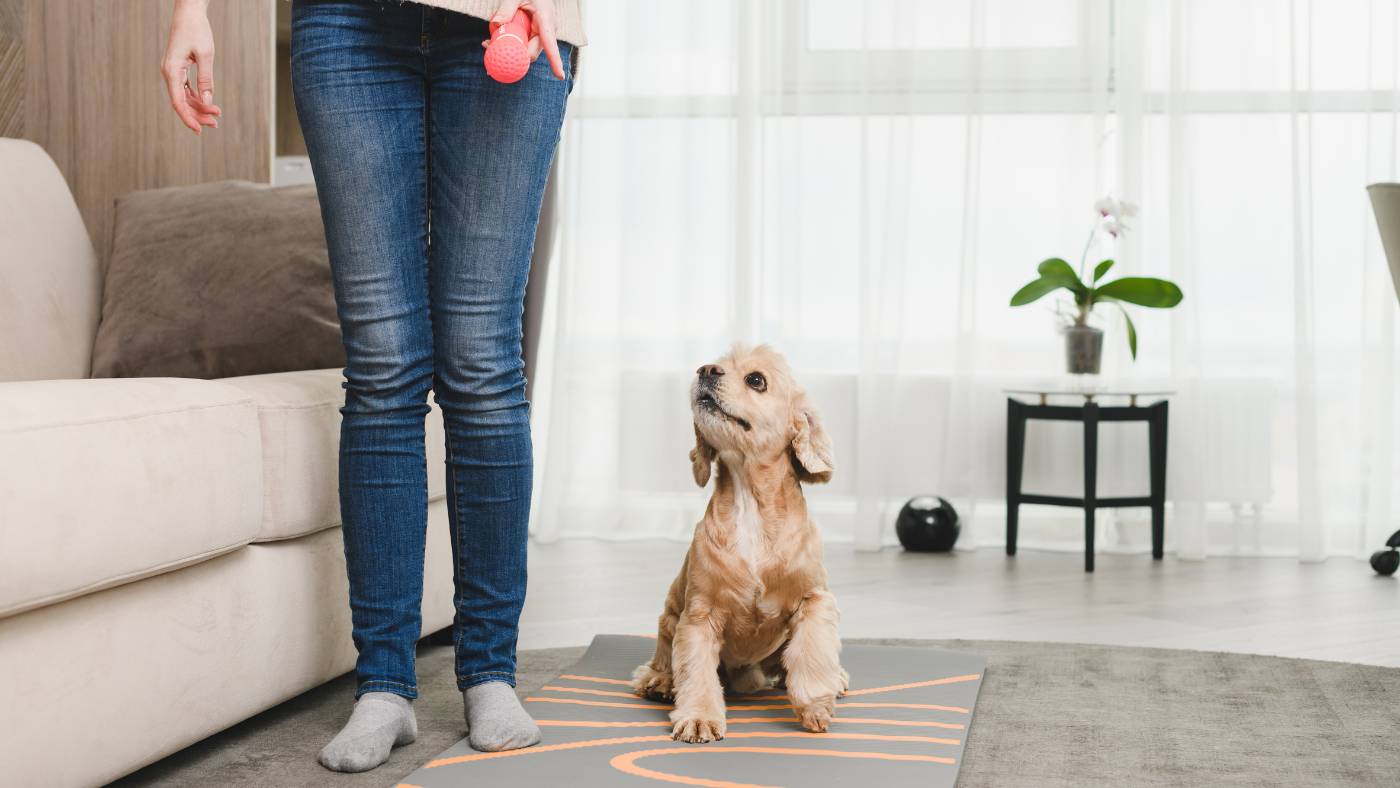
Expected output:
{"points": [[1336, 610]]}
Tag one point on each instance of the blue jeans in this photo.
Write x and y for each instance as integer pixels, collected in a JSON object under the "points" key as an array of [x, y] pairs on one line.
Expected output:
{"points": [[430, 176]]}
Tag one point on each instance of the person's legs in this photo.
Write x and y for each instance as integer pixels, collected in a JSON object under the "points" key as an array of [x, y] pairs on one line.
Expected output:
{"points": [[491, 146], [359, 88]]}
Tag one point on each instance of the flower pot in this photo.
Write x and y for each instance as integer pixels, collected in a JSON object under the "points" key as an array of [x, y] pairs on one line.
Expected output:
{"points": [[1083, 349]]}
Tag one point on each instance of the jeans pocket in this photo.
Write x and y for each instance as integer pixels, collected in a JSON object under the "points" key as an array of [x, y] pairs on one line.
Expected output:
{"points": [[573, 65]]}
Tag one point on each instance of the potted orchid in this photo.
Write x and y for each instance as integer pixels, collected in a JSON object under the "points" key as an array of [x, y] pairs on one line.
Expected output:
{"points": [[1083, 342]]}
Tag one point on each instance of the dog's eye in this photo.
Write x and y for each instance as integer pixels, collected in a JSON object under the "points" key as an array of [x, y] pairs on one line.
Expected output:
{"points": [[756, 381]]}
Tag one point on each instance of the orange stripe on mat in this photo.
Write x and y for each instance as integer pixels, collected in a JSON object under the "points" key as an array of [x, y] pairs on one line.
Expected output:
{"points": [[611, 694], [930, 706], [626, 762], [739, 721], [912, 685], [660, 707], [584, 691], [541, 748], [607, 703], [578, 745], [598, 679], [952, 726]]}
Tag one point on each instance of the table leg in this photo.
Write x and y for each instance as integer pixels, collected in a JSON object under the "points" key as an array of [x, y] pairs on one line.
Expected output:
{"points": [[1157, 446], [1015, 461], [1091, 468]]}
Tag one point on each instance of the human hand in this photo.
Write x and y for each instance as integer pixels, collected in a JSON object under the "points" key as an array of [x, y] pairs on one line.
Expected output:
{"points": [[191, 42], [542, 26]]}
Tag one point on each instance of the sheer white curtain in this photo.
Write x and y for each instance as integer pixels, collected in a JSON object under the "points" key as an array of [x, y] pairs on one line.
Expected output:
{"points": [[863, 185]]}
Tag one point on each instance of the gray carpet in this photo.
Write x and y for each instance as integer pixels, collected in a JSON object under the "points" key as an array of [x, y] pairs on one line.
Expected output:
{"points": [[1049, 714]]}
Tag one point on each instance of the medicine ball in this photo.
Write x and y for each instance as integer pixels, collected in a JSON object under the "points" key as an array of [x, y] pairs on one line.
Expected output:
{"points": [[1385, 562], [927, 524]]}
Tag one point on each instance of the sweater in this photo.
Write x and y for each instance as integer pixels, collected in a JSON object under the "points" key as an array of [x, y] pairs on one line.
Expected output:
{"points": [[569, 23]]}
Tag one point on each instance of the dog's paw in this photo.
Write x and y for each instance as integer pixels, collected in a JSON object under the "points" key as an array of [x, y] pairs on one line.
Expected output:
{"points": [[845, 682], [697, 730], [816, 716], [648, 682]]}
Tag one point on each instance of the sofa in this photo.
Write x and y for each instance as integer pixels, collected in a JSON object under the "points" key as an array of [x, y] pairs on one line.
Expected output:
{"points": [[170, 557]]}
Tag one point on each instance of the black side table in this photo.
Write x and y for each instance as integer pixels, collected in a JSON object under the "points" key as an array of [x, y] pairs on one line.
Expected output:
{"points": [[1090, 413]]}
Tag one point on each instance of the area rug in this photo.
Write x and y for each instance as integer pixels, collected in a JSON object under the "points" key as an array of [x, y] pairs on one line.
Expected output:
{"points": [[903, 722], [1049, 714]]}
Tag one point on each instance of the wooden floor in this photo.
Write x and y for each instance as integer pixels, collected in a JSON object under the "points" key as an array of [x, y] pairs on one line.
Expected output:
{"points": [[1337, 610]]}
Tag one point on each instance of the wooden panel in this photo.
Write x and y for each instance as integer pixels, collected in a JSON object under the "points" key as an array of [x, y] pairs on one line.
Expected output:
{"points": [[95, 100], [290, 141], [11, 68]]}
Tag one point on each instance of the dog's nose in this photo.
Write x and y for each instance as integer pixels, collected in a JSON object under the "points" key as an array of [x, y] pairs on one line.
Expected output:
{"points": [[710, 371]]}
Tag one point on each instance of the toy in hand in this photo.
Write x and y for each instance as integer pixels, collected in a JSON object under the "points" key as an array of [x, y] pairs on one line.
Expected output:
{"points": [[508, 54]]}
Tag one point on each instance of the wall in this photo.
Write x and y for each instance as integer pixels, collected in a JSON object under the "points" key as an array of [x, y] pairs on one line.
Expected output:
{"points": [[11, 67]]}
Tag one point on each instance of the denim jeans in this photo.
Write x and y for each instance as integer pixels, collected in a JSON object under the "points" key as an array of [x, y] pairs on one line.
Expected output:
{"points": [[430, 176]]}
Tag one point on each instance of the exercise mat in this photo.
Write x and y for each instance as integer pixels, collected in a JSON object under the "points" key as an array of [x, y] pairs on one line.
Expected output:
{"points": [[905, 721]]}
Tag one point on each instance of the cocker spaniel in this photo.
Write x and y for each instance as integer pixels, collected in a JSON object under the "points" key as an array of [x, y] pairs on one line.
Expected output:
{"points": [[750, 609]]}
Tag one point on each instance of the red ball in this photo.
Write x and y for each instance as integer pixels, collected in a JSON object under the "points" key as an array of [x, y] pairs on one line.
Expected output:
{"points": [[507, 60]]}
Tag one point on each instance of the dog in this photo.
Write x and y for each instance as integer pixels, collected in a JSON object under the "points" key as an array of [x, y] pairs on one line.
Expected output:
{"points": [[750, 609]]}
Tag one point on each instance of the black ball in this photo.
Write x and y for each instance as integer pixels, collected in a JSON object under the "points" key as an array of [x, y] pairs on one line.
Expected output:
{"points": [[927, 524], [1385, 562]]}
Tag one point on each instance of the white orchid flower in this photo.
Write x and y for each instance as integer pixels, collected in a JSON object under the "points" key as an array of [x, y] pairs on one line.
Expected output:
{"points": [[1114, 213]]}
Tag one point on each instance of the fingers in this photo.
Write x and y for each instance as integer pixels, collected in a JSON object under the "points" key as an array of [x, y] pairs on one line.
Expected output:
{"points": [[177, 87], [504, 12], [206, 114], [199, 105], [544, 32], [542, 23], [204, 63], [551, 49]]}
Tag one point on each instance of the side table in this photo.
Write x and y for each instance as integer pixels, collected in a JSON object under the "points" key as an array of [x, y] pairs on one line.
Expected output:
{"points": [[1091, 414]]}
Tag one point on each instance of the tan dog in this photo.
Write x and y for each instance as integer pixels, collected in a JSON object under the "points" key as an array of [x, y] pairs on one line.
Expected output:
{"points": [[750, 605]]}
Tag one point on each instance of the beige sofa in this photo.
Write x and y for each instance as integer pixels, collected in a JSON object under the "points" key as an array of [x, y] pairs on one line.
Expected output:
{"points": [[170, 561]]}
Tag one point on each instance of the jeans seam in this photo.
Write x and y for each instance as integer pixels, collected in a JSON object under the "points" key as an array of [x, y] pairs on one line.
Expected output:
{"points": [[386, 681], [409, 691], [472, 679]]}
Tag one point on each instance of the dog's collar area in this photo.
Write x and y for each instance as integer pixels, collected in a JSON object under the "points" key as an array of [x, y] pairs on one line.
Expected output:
{"points": [[708, 402]]}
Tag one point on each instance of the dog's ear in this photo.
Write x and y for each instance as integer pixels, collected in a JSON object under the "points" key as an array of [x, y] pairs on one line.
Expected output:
{"points": [[702, 457], [811, 447]]}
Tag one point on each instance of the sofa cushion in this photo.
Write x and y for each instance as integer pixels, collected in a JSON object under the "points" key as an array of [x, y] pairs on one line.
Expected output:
{"points": [[299, 414], [50, 288], [118, 679], [107, 481], [217, 280]]}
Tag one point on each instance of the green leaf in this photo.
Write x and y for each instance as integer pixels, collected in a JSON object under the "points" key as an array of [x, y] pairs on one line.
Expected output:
{"points": [[1059, 271], [1143, 291], [1034, 291], [1132, 331], [1101, 269]]}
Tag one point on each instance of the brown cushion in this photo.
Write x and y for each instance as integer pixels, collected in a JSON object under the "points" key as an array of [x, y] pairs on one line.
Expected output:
{"points": [[217, 280]]}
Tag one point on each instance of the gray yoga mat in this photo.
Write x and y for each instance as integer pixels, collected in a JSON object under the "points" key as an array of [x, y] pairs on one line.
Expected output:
{"points": [[905, 721]]}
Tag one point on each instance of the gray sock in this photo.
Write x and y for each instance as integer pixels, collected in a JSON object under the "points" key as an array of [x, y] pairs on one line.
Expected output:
{"points": [[495, 719], [380, 722]]}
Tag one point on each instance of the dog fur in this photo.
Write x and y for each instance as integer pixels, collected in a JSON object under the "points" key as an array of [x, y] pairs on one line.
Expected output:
{"points": [[750, 608]]}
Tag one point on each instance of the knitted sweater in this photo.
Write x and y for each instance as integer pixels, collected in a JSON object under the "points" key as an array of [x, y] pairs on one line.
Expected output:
{"points": [[569, 21]]}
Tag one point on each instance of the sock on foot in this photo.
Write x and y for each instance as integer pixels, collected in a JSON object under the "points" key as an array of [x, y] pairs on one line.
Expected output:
{"points": [[380, 722], [495, 719]]}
